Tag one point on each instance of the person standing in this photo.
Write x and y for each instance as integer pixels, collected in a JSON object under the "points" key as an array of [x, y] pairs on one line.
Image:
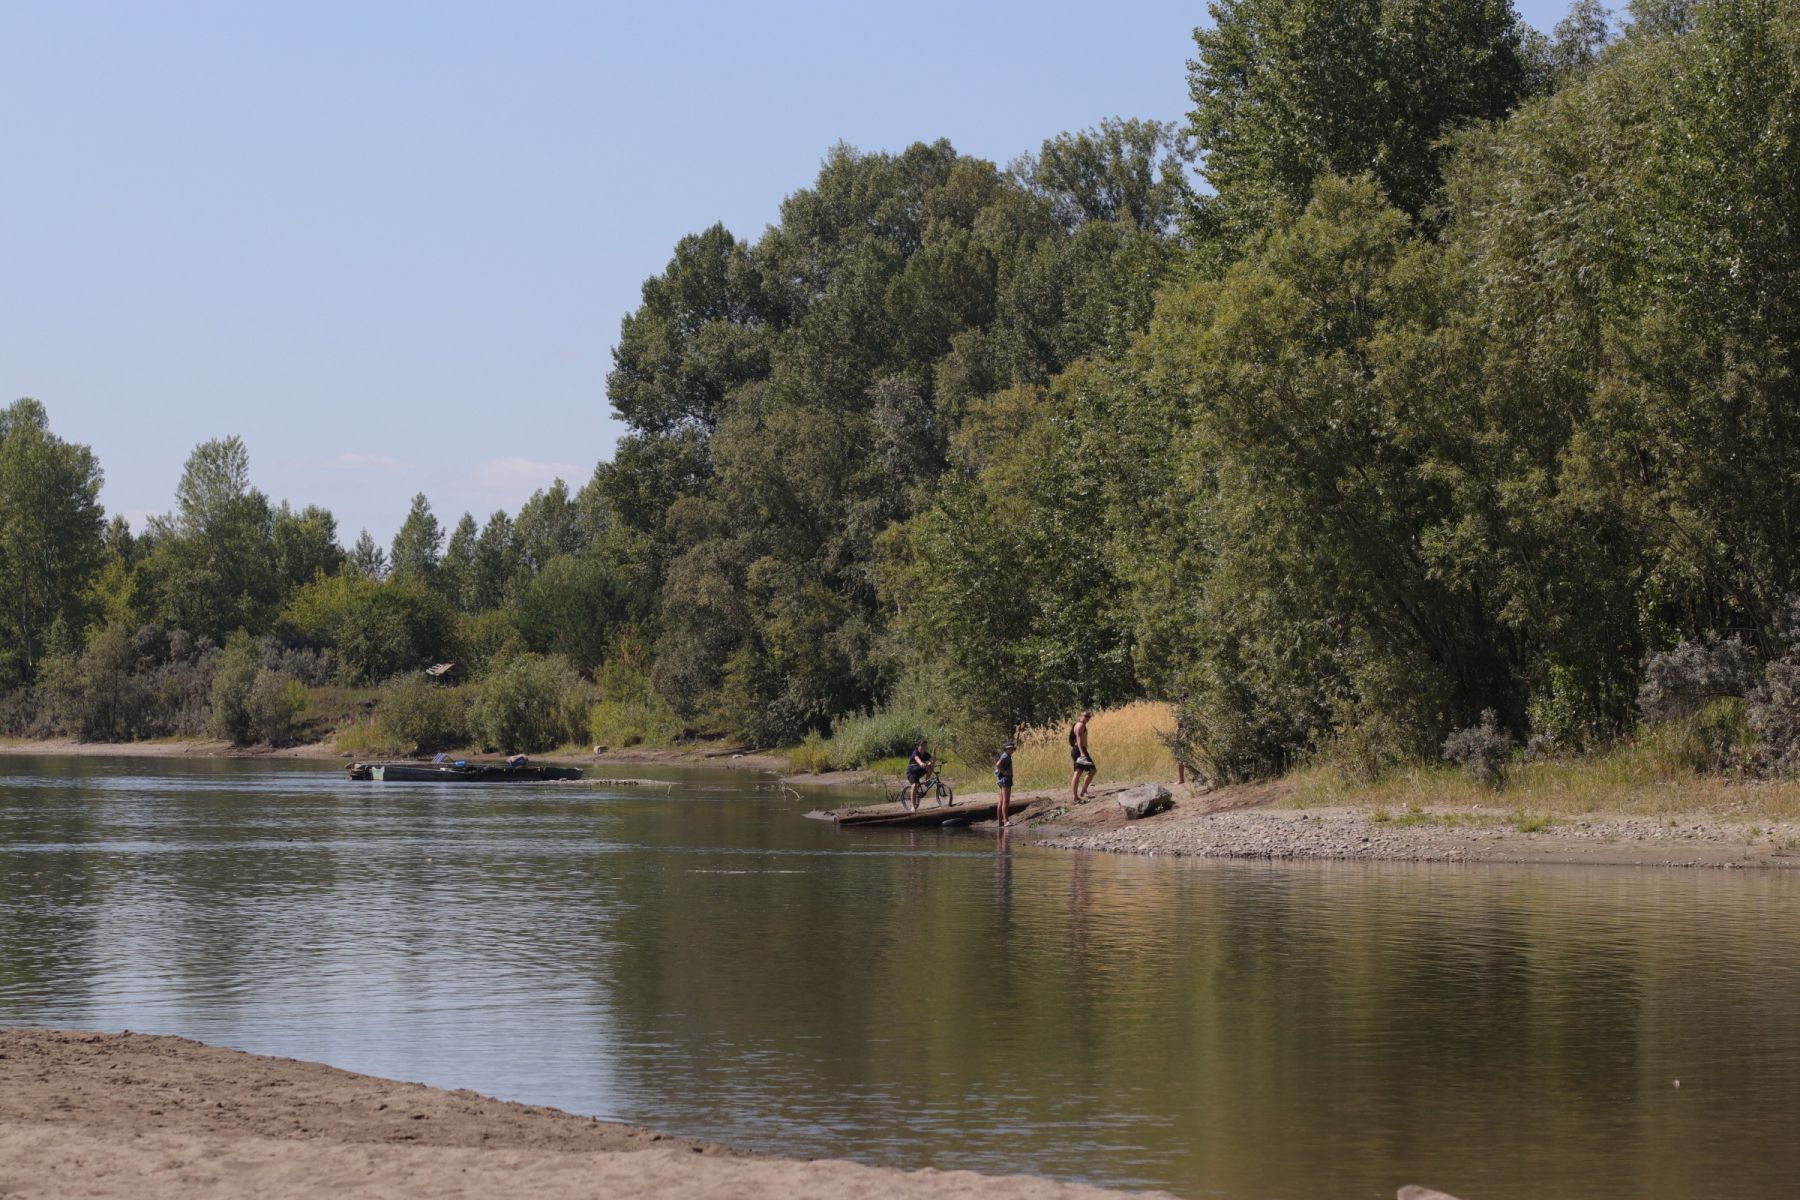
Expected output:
{"points": [[1003, 777], [917, 768], [1083, 758]]}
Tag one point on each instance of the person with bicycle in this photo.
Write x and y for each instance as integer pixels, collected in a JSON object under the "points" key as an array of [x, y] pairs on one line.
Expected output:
{"points": [[920, 766]]}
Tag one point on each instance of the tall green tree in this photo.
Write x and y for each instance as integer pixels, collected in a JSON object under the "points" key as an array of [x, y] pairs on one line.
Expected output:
{"points": [[1286, 91], [50, 533], [213, 569], [417, 546]]}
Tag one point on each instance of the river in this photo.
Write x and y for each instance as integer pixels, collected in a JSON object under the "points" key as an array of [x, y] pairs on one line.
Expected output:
{"points": [[700, 959]]}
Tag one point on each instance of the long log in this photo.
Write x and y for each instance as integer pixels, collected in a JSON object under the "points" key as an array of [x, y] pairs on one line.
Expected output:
{"points": [[931, 815]]}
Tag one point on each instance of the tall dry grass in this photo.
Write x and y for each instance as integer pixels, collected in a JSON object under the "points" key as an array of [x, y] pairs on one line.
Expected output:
{"points": [[1633, 779], [1124, 742]]}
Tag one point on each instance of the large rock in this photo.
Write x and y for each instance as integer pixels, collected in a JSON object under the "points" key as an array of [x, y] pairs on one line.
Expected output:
{"points": [[1413, 1191], [1142, 801]]}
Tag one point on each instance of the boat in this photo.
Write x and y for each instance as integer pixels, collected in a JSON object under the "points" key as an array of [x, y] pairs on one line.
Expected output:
{"points": [[459, 772]]}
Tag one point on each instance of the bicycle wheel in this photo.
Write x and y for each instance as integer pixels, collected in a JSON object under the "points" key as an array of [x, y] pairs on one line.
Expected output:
{"points": [[944, 794]]}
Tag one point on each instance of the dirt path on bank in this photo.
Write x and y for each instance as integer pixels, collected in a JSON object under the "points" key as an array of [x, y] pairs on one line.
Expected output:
{"points": [[156, 1118]]}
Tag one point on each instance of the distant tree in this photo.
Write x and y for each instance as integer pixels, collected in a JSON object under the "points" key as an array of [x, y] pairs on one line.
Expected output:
{"points": [[1663, 16], [1288, 90], [549, 525], [414, 556], [456, 573], [305, 545], [1581, 36], [50, 533], [496, 562], [368, 559], [1123, 170], [213, 568]]}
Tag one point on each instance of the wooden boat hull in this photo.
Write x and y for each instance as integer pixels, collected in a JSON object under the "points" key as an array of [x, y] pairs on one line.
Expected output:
{"points": [[403, 772]]}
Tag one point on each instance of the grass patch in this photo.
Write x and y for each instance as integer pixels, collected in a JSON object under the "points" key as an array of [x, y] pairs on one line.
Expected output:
{"points": [[1636, 780], [1525, 823], [1125, 743]]}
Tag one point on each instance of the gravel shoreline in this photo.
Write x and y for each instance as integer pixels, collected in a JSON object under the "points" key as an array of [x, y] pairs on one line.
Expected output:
{"points": [[1193, 828]]}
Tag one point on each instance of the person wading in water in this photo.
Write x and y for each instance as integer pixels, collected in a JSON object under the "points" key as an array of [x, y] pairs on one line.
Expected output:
{"points": [[1085, 769]]}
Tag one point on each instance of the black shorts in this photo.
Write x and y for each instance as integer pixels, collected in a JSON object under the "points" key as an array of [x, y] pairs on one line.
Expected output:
{"points": [[914, 774], [1081, 764]]}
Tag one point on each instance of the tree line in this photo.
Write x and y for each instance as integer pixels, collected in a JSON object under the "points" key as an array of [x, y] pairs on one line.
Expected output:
{"points": [[1432, 368]]}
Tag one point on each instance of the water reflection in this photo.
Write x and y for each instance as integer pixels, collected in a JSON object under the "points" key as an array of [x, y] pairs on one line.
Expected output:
{"points": [[709, 963]]}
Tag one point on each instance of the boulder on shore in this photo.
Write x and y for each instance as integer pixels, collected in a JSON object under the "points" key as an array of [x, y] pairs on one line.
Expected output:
{"points": [[1413, 1191], [1142, 801]]}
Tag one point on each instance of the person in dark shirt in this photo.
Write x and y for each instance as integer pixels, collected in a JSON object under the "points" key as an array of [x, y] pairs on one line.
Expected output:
{"points": [[917, 768], [1003, 776], [1083, 758]]}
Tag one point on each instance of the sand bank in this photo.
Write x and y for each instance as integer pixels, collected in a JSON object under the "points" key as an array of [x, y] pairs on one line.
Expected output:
{"points": [[158, 1117], [1260, 822]]}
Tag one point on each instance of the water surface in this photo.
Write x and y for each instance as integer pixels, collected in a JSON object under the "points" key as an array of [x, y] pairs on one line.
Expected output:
{"points": [[702, 960]]}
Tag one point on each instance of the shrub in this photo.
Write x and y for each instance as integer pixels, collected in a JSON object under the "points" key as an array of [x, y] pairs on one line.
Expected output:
{"points": [[423, 717], [274, 701], [810, 757], [377, 629], [485, 639], [1481, 750], [232, 680], [1680, 682], [531, 703], [630, 712], [1716, 738], [1773, 717], [857, 741]]}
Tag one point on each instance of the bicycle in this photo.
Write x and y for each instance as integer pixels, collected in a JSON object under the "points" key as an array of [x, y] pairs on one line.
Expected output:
{"points": [[932, 785]]}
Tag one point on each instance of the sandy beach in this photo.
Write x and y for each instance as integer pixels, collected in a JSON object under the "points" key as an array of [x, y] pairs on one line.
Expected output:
{"points": [[132, 1115]]}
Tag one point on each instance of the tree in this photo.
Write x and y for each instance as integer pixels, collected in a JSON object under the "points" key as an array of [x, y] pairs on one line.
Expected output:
{"points": [[1580, 37], [414, 556], [456, 573], [1288, 90], [496, 562], [305, 545], [1124, 170], [368, 559], [213, 569], [50, 533]]}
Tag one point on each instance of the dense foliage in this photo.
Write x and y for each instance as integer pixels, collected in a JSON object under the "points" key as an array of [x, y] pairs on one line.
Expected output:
{"points": [[1431, 390]]}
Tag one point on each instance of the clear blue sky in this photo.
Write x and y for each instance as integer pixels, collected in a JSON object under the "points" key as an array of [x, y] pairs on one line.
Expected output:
{"points": [[389, 244]]}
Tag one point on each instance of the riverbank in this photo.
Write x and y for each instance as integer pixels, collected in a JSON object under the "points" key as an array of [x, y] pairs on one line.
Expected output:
{"points": [[700, 755], [1273, 821], [159, 1117]]}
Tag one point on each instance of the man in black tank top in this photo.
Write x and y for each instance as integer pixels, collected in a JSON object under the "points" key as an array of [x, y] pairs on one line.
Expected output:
{"points": [[1082, 757]]}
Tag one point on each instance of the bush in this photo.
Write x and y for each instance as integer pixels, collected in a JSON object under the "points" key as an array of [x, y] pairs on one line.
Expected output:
{"points": [[857, 741], [1773, 717], [1717, 738], [630, 712], [250, 702], [531, 703], [1481, 750], [811, 757], [1680, 682], [377, 629], [232, 680], [274, 701], [420, 716]]}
